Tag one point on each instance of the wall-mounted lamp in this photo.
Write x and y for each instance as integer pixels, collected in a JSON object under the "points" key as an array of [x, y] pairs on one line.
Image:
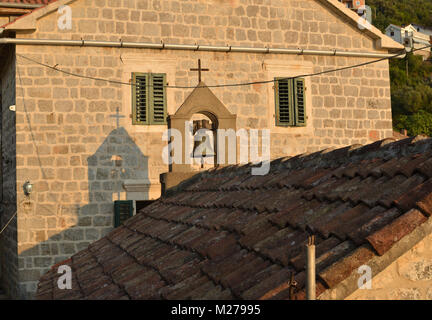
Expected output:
{"points": [[28, 188]]}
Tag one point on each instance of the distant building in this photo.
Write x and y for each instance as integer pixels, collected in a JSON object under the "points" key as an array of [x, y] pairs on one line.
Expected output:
{"points": [[353, 4], [421, 29], [412, 36]]}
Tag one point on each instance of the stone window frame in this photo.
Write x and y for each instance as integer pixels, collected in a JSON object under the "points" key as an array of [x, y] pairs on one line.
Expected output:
{"points": [[143, 63], [283, 69]]}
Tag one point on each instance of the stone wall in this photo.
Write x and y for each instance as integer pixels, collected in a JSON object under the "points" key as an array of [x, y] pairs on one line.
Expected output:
{"points": [[4, 20], [8, 239], [425, 53], [68, 142], [408, 278]]}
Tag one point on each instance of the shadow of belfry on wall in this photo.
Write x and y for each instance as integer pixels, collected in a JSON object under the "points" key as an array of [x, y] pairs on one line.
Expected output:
{"points": [[117, 163]]}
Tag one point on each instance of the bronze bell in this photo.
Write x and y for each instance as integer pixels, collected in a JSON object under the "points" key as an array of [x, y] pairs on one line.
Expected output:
{"points": [[202, 124]]}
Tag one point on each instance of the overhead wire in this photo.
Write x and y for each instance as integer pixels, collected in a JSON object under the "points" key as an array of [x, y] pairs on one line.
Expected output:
{"points": [[228, 84]]}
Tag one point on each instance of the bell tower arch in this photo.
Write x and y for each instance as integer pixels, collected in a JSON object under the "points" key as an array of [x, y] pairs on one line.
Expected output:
{"points": [[201, 101]]}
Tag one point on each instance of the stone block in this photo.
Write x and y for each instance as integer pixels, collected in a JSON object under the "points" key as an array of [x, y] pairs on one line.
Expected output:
{"points": [[102, 221], [420, 270], [73, 234]]}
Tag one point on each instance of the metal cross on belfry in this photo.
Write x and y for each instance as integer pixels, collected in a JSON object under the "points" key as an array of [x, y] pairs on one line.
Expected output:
{"points": [[199, 69]]}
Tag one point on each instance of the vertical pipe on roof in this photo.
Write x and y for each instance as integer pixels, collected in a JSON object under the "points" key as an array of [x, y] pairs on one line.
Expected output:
{"points": [[310, 269]]}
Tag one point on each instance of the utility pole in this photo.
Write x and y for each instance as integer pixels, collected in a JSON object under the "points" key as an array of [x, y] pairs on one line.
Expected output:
{"points": [[407, 66]]}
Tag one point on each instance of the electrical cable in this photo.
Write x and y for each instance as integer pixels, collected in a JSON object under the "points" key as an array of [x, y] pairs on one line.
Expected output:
{"points": [[7, 224], [225, 85]]}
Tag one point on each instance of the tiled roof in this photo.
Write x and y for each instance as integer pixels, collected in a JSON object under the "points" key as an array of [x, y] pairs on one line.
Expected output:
{"points": [[399, 135], [28, 1], [226, 234]]}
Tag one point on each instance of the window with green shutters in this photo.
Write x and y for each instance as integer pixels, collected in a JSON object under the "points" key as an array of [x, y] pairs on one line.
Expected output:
{"points": [[290, 99], [148, 98], [123, 210]]}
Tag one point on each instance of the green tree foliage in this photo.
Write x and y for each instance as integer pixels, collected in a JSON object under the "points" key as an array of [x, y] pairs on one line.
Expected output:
{"points": [[417, 123], [411, 78], [401, 12], [411, 86]]}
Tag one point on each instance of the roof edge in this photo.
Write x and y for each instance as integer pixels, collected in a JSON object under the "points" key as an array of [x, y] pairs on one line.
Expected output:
{"points": [[20, 5], [379, 263], [383, 41], [28, 21]]}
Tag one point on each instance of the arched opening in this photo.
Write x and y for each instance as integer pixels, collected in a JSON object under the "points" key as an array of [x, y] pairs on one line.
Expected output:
{"points": [[200, 105]]}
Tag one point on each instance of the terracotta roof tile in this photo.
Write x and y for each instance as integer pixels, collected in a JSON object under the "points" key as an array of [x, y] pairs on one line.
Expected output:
{"points": [[245, 272], [277, 281], [282, 292], [375, 222], [294, 213], [425, 168], [231, 235], [393, 192], [341, 189], [181, 290], [262, 232], [338, 225], [324, 217], [340, 270], [322, 247], [366, 195], [409, 167], [334, 254], [124, 275], [274, 239], [287, 250], [390, 168], [206, 288], [111, 292], [369, 168], [217, 269], [383, 239], [149, 280], [249, 282], [177, 266], [226, 246], [356, 221], [419, 196], [237, 220]]}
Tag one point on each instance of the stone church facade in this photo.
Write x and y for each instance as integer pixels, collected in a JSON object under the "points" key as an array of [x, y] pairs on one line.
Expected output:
{"points": [[77, 140]]}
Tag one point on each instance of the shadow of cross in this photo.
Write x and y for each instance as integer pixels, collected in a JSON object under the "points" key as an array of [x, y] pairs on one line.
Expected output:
{"points": [[118, 117]]}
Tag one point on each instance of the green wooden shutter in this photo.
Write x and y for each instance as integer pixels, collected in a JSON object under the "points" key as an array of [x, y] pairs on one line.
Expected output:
{"points": [[158, 99], [299, 101], [123, 210], [284, 102], [140, 98]]}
